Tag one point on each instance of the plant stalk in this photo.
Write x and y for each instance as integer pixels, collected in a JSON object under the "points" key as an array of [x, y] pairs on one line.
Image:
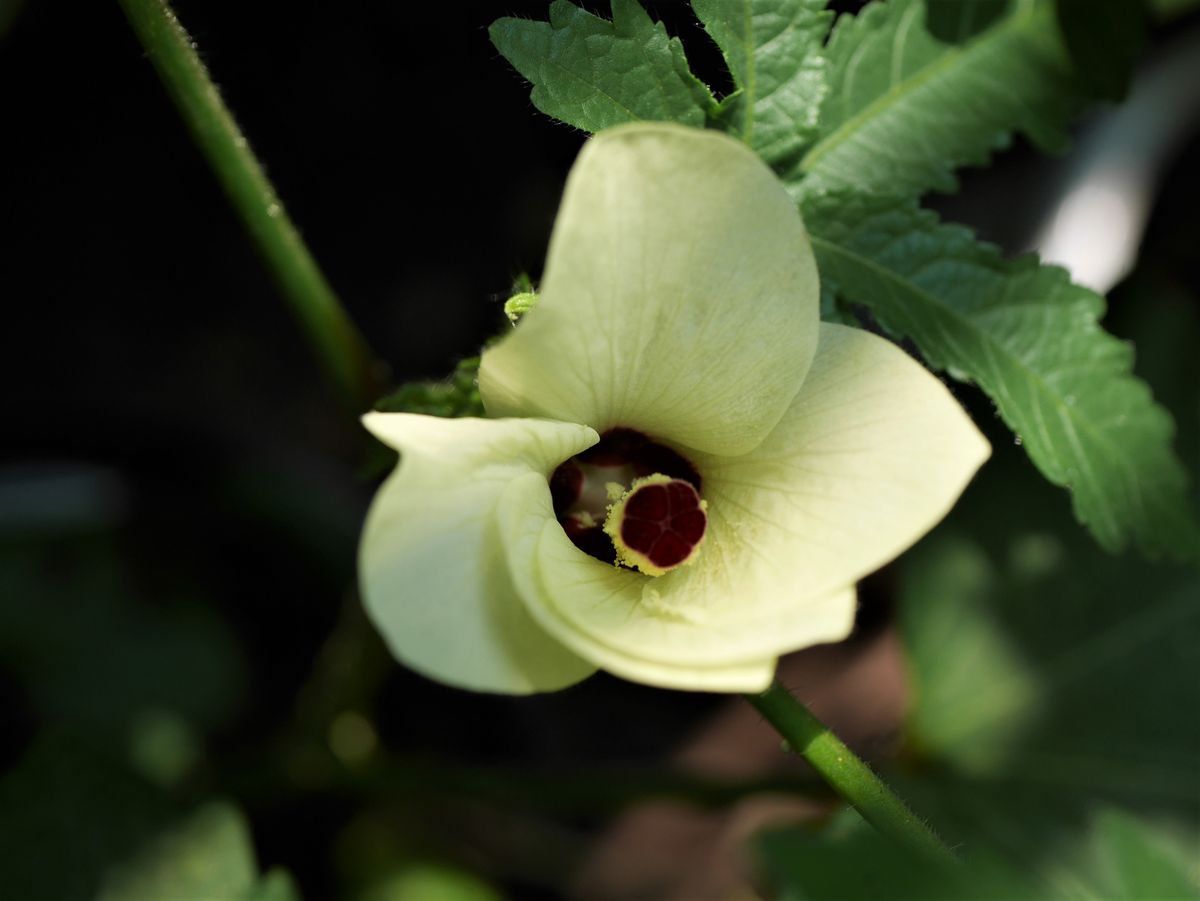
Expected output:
{"points": [[343, 353], [847, 774]]}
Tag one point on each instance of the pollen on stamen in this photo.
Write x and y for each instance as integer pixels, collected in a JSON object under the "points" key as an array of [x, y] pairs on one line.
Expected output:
{"points": [[658, 525]]}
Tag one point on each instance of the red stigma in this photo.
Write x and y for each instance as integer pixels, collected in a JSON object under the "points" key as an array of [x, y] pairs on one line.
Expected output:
{"points": [[662, 522]]}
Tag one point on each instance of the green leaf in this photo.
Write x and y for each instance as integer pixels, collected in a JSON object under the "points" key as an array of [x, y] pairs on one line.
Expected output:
{"points": [[594, 74], [774, 50], [905, 109], [1032, 341], [209, 856]]}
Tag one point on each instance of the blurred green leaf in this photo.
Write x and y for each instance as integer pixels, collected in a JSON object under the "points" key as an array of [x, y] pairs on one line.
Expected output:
{"points": [[1134, 861], [905, 109], [775, 52], [976, 694], [431, 882], [163, 746], [1039, 661], [67, 813], [208, 856], [275, 885], [74, 823], [1055, 665], [1165, 10], [1032, 341], [855, 863], [594, 74], [1118, 856], [93, 650]]}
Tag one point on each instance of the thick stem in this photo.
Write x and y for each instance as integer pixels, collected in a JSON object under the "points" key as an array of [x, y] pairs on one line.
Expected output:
{"points": [[846, 773], [342, 351]]}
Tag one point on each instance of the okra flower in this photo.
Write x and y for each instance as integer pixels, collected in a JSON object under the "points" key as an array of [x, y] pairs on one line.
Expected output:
{"points": [[687, 471]]}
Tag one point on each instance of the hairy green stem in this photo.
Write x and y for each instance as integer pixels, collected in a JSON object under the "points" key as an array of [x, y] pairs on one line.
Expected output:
{"points": [[846, 773], [342, 351]]}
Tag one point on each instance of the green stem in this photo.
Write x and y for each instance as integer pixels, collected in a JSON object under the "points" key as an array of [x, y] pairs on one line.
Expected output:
{"points": [[846, 774], [342, 351]]}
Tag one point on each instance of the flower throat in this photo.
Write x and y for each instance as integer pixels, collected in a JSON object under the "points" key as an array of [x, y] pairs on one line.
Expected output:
{"points": [[630, 501]]}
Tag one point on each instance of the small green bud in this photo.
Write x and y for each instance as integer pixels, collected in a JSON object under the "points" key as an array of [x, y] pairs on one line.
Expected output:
{"points": [[519, 304]]}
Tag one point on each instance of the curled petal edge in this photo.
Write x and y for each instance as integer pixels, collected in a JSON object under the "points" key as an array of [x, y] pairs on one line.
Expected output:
{"points": [[433, 575]]}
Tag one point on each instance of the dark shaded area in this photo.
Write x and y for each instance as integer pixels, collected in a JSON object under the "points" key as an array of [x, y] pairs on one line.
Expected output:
{"points": [[170, 443], [1104, 39]]}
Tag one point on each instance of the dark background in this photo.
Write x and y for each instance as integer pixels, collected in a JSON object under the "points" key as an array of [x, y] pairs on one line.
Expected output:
{"points": [[183, 491], [170, 442]]}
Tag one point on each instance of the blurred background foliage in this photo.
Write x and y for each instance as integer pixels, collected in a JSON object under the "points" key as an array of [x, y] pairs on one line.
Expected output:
{"points": [[193, 696]]}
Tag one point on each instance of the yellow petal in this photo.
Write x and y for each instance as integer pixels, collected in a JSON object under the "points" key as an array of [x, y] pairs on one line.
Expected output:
{"points": [[680, 296], [566, 578], [873, 452], [432, 569]]}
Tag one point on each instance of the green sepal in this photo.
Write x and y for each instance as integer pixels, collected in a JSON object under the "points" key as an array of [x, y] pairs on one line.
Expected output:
{"points": [[519, 304], [457, 395]]}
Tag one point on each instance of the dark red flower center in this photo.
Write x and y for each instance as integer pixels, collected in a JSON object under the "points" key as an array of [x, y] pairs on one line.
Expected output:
{"points": [[658, 525]]}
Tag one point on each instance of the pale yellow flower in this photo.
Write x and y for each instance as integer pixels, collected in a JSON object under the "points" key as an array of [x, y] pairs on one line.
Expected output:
{"points": [[680, 307]]}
